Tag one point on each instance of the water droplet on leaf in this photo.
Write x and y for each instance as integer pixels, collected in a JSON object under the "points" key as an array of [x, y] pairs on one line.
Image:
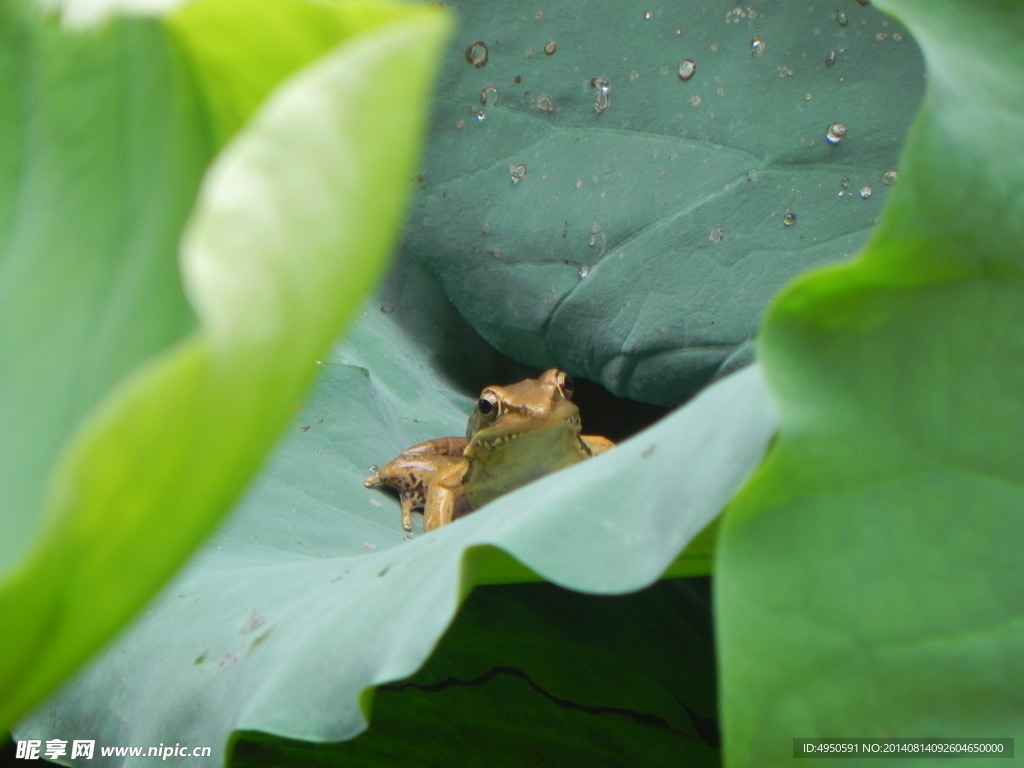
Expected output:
{"points": [[517, 172], [835, 133], [757, 47], [477, 53], [687, 69], [489, 95]]}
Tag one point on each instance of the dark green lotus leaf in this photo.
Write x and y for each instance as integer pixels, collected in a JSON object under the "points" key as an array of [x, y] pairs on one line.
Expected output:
{"points": [[869, 577], [641, 243]]}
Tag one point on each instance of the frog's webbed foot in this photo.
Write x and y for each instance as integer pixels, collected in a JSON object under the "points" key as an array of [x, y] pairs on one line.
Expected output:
{"points": [[409, 505]]}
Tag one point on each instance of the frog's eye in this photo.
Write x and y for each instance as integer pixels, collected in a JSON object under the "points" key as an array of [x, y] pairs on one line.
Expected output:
{"points": [[487, 405], [566, 385]]}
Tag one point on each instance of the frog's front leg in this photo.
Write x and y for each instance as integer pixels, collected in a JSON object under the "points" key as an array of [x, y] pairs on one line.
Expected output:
{"points": [[596, 444], [444, 499], [413, 471]]}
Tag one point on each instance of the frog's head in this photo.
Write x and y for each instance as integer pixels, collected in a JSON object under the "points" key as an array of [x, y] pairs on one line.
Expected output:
{"points": [[540, 409]]}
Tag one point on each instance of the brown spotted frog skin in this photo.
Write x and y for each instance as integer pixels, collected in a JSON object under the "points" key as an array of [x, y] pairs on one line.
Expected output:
{"points": [[516, 434]]}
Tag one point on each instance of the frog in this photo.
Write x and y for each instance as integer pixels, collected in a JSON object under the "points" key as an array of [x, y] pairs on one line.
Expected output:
{"points": [[516, 434]]}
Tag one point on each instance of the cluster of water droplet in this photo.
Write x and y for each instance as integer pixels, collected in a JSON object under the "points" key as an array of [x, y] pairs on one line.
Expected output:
{"points": [[478, 55]]}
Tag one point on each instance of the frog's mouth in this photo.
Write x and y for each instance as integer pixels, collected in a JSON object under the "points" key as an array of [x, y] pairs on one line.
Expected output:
{"points": [[571, 424]]}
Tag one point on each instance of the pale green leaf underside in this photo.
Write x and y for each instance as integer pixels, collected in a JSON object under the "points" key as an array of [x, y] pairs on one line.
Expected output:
{"points": [[312, 594]]}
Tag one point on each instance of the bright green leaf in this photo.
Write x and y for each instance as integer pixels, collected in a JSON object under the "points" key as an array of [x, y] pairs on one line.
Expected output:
{"points": [[130, 423], [869, 577], [671, 202]]}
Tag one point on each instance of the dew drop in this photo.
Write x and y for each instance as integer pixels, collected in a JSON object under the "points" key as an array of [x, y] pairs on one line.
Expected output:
{"points": [[550, 47], [866, 192], [479, 114], [584, 270], [578, 184], [373, 469], [687, 69], [890, 177], [717, 234], [835, 133], [489, 95], [757, 47], [517, 172], [648, 15], [594, 236], [830, 59], [695, 100], [789, 219], [545, 103], [602, 99], [844, 182], [477, 53], [842, 19]]}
